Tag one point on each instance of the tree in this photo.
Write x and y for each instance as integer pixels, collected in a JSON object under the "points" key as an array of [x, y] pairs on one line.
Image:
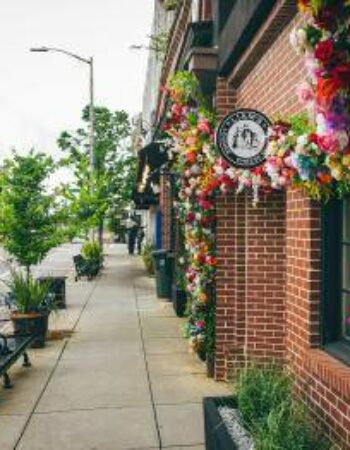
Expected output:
{"points": [[107, 187], [29, 225]]}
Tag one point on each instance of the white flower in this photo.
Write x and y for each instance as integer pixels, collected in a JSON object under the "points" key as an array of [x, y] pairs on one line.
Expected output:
{"points": [[198, 216], [321, 124], [342, 137], [298, 39], [195, 169], [219, 170], [192, 182]]}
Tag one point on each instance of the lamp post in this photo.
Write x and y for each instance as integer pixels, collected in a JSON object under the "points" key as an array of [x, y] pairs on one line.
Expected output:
{"points": [[90, 62]]}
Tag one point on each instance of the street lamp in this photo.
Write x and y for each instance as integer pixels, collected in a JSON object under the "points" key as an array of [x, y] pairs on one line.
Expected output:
{"points": [[90, 62]]}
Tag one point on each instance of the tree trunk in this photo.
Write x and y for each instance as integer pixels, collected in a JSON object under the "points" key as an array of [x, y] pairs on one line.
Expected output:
{"points": [[100, 232]]}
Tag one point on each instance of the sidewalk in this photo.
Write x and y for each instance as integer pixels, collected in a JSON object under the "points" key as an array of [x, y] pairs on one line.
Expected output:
{"points": [[124, 380]]}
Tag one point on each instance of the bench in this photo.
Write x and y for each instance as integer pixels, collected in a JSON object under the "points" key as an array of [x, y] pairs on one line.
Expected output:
{"points": [[11, 348], [85, 268], [82, 267]]}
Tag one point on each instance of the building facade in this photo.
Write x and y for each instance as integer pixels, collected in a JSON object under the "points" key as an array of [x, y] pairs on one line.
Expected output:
{"points": [[283, 265]]}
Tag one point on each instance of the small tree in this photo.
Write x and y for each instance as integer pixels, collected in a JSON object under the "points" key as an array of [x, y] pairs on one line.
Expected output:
{"points": [[28, 222], [94, 193]]}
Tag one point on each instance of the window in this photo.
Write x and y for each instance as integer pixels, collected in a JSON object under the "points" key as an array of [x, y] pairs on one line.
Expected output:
{"points": [[336, 279], [345, 284]]}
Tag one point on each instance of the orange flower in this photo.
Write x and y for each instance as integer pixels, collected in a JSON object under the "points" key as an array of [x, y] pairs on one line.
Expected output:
{"points": [[327, 88], [202, 297], [324, 178]]}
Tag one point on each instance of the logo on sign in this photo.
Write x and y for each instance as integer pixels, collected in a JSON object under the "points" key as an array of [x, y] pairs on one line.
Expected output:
{"points": [[242, 138]]}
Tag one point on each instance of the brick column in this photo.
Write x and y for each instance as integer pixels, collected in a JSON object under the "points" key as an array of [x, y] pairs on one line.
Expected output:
{"points": [[265, 277]]}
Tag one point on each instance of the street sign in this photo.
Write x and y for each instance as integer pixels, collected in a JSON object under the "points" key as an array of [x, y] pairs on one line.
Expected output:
{"points": [[242, 138]]}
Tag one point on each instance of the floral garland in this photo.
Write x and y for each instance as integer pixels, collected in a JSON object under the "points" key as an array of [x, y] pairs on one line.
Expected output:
{"points": [[192, 151], [314, 154]]}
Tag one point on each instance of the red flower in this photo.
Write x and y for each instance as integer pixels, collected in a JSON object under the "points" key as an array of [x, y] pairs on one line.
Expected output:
{"points": [[191, 157], [201, 258], [205, 204], [342, 73], [327, 88], [324, 51], [313, 138], [327, 17], [190, 217]]}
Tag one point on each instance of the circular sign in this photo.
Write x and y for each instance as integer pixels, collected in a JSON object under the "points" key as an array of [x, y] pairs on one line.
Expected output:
{"points": [[242, 138]]}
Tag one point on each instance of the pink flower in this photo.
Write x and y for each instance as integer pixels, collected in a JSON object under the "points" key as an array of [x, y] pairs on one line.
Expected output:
{"points": [[204, 127], [328, 143], [305, 93], [191, 141]]}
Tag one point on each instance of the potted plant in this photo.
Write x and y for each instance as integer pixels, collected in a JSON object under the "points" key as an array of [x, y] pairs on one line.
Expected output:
{"points": [[262, 414], [93, 256], [30, 224], [30, 303]]}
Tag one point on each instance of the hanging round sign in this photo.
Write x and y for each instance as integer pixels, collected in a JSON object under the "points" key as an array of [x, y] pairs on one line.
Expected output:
{"points": [[242, 138]]}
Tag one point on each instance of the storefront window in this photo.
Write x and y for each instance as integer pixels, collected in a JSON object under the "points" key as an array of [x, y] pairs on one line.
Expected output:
{"points": [[345, 288], [336, 279]]}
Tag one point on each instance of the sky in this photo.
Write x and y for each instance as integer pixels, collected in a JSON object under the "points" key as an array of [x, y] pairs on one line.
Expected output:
{"points": [[42, 94]]}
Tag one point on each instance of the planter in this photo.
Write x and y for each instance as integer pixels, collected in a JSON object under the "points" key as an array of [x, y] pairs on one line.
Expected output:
{"points": [[31, 323], [58, 288], [179, 298], [217, 434]]}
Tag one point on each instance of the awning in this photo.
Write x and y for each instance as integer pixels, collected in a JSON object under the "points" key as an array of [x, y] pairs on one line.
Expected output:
{"points": [[151, 159]]}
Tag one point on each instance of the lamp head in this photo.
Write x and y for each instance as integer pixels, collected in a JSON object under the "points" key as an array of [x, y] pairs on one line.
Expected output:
{"points": [[39, 49]]}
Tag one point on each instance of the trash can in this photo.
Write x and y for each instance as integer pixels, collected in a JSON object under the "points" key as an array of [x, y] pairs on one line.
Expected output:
{"points": [[57, 287], [163, 265]]}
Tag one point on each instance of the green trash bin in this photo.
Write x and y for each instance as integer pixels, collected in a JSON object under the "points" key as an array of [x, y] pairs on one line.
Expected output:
{"points": [[163, 264]]}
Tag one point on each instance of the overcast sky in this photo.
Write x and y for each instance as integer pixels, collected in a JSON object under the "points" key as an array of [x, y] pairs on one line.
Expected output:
{"points": [[42, 94]]}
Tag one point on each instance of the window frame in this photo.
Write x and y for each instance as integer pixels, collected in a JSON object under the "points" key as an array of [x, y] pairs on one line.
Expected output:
{"points": [[331, 282]]}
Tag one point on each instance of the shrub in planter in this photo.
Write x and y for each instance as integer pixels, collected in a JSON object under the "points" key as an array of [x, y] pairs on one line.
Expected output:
{"points": [[31, 303], [147, 256], [262, 415], [93, 254]]}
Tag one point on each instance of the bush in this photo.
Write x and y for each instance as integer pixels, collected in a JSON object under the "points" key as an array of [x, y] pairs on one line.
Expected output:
{"points": [[148, 257], [288, 427], [29, 294], [275, 420], [259, 390], [93, 255]]}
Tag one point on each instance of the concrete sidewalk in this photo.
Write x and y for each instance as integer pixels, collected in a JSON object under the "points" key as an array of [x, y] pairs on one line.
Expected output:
{"points": [[124, 380]]}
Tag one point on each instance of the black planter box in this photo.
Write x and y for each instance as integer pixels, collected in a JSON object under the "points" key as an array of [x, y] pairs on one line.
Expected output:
{"points": [[35, 324], [179, 298], [216, 435]]}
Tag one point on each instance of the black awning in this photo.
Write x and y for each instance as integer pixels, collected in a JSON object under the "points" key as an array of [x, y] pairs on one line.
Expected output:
{"points": [[151, 159], [153, 156]]}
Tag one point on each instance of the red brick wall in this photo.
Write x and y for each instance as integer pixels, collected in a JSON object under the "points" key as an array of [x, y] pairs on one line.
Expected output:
{"points": [[270, 86], [250, 281], [321, 380]]}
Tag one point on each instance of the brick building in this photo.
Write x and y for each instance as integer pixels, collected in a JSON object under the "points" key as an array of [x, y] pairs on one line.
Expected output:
{"points": [[281, 284]]}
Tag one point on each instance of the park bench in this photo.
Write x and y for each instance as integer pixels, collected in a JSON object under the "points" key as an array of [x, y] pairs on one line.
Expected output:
{"points": [[85, 268], [14, 345], [11, 348]]}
